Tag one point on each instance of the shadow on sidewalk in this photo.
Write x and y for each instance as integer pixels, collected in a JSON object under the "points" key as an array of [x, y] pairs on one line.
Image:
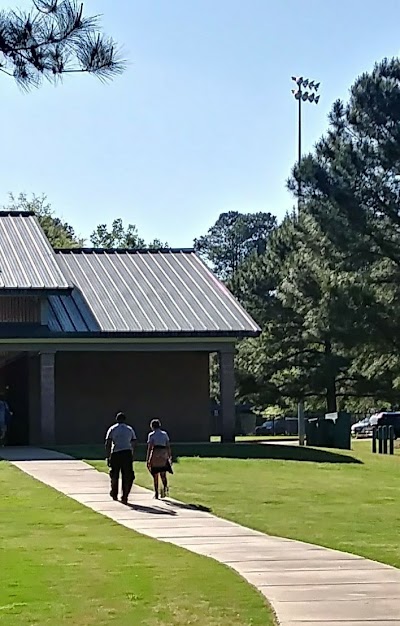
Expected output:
{"points": [[188, 507], [153, 510], [26, 453]]}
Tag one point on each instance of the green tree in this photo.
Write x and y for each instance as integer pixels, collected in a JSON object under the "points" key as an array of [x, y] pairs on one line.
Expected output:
{"points": [[59, 233], [119, 236], [327, 292], [307, 296], [157, 244], [233, 238], [351, 186], [54, 38]]}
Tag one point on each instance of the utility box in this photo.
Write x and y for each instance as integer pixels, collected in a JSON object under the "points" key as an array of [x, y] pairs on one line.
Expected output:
{"points": [[333, 430]]}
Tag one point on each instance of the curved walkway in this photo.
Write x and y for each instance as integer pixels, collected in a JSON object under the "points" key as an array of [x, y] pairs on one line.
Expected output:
{"points": [[307, 585]]}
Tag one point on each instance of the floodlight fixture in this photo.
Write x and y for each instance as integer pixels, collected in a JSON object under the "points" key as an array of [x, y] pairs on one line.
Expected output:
{"points": [[304, 96]]}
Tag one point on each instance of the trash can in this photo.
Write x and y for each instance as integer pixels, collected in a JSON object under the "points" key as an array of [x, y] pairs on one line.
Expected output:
{"points": [[341, 429], [312, 431], [333, 430]]}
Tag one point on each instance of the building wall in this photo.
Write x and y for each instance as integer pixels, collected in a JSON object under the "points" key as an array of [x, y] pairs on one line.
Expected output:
{"points": [[20, 309], [92, 386]]}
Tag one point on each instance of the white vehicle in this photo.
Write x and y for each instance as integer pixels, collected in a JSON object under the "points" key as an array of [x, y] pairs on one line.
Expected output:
{"points": [[363, 428], [387, 418]]}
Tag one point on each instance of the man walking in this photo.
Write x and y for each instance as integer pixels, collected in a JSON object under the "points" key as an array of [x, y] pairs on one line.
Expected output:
{"points": [[120, 448]]}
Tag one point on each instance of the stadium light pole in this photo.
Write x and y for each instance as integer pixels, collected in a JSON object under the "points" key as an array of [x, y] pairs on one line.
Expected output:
{"points": [[306, 90]]}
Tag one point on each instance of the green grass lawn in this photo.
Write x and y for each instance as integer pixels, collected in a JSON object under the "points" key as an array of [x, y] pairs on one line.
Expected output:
{"points": [[346, 506], [62, 564]]}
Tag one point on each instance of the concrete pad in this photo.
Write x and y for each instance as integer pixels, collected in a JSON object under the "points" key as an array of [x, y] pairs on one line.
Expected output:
{"points": [[169, 532], [300, 566], [310, 578], [248, 542], [345, 610], [343, 623], [158, 522], [25, 453], [82, 490], [269, 554], [95, 488], [312, 593], [140, 512], [101, 498], [92, 498], [126, 520]]}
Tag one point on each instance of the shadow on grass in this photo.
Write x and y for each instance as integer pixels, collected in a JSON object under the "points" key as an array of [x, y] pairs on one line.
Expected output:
{"points": [[227, 451], [188, 507]]}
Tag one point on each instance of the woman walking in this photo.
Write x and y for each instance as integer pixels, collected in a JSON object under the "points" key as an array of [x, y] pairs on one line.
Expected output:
{"points": [[159, 457]]}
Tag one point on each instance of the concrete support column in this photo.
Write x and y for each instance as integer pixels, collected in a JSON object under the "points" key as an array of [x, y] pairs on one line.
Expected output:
{"points": [[227, 393], [47, 398]]}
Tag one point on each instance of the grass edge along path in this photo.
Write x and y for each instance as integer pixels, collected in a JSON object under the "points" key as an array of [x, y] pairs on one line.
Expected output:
{"points": [[65, 564]]}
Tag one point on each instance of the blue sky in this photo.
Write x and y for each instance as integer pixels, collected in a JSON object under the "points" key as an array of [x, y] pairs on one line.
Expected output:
{"points": [[202, 121]]}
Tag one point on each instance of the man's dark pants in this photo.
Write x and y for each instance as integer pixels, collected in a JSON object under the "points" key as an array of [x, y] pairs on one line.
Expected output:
{"points": [[121, 463]]}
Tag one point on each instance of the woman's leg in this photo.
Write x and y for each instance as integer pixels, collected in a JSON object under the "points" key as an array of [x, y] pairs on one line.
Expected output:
{"points": [[155, 480], [165, 484]]}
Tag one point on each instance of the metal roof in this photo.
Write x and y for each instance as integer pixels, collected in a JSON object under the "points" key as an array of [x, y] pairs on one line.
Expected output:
{"points": [[27, 260], [70, 314], [167, 292]]}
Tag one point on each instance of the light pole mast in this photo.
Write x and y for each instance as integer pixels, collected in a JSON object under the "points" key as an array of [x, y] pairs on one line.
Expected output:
{"points": [[306, 91]]}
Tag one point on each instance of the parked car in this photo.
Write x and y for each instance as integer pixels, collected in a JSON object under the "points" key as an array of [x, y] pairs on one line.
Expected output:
{"points": [[361, 428], [271, 427], [291, 425], [389, 418]]}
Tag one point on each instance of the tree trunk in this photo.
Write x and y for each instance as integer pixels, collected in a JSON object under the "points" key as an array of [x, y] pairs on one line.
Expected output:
{"points": [[331, 400]]}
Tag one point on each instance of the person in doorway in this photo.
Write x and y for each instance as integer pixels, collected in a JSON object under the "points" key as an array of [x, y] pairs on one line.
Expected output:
{"points": [[5, 416], [120, 449], [159, 457]]}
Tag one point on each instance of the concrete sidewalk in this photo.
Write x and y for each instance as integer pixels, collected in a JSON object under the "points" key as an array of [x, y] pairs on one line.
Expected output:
{"points": [[307, 585]]}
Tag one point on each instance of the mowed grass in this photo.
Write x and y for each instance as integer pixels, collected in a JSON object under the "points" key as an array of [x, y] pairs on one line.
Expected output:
{"points": [[64, 564], [349, 507]]}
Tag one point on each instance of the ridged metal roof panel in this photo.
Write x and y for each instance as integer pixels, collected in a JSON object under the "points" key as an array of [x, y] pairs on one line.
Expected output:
{"points": [[148, 292], [70, 314], [27, 260]]}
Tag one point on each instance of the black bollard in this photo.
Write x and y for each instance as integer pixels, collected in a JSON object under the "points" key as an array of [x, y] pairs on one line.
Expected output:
{"points": [[380, 440], [374, 440], [391, 440], [385, 439]]}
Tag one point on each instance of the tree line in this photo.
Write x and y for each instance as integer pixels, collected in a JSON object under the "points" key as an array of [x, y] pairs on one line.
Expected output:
{"points": [[326, 292], [324, 283]]}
